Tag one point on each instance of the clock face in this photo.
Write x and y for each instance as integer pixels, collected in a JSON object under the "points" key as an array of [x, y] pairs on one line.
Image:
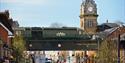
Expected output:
{"points": [[90, 9]]}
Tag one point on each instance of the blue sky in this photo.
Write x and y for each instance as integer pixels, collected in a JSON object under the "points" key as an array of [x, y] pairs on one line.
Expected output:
{"points": [[44, 12]]}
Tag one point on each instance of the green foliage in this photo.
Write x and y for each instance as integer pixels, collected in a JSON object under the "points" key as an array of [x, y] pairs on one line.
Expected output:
{"points": [[18, 46], [108, 52]]}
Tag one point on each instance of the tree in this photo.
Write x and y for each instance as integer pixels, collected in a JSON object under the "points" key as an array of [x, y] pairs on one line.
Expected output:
{"points": [[107, 52], [57, 25], [18, 45], [120, 23]]}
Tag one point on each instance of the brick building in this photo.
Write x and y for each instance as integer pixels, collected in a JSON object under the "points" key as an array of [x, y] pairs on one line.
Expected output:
{"points": [[113, 33], [6, 33]]}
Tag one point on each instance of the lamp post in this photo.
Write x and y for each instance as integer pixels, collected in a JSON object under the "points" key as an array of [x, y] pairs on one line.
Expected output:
{"points": [[1, 47], [119, 48], [1, 42], [119, 32]]}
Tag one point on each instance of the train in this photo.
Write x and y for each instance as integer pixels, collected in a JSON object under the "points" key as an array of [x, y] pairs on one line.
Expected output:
{"points": [[40, 33]]}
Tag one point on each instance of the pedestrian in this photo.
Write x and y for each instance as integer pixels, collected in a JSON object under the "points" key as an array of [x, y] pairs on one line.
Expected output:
{"points": [[7, 60], [57, 61], [64, 60], [1, 59], [12, 59], [32, 57]]}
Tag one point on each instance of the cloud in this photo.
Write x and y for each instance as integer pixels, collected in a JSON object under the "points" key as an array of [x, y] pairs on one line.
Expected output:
{"points": [[31, 2]]}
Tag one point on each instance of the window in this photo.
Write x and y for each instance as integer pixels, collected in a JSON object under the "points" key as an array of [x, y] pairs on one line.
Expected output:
{"points": [[37, 34], [27, 33], [89, 23]]}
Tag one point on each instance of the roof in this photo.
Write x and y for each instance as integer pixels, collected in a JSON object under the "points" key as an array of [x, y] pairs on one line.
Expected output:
{"points": [[6, 21], [106, 32], [9, 32], [105, 26], [51, 28], [110, 24]]}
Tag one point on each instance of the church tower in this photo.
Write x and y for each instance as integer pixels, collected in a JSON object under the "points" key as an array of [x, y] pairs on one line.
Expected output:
{"points": [[88, 16]]}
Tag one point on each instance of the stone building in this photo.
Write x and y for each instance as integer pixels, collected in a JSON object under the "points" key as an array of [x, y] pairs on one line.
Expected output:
{"points": [[88, 16]]}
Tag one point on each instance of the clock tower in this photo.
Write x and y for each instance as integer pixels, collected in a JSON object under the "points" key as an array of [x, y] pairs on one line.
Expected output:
{"points": [[88, 16]]}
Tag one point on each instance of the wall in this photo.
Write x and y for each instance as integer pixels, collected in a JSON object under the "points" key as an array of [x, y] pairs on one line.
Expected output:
{"points": [[3, 34]]}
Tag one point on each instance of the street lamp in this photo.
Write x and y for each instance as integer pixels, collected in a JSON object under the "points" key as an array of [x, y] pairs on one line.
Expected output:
{"points": [[30, 45], [1, 47], [119, 46], [59, 45], [31, 53], [1, 42]]}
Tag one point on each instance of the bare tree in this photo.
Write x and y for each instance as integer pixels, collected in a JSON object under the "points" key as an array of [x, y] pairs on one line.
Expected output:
{"points": [[107, 52], [57, 25], [119, 23]]}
